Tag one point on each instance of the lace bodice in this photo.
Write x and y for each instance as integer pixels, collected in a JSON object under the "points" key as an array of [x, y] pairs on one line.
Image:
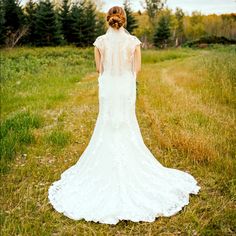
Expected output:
{"points": [[117, 51]]}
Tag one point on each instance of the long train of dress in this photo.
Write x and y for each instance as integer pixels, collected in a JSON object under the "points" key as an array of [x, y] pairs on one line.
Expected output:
{"points": [[117, 177]]}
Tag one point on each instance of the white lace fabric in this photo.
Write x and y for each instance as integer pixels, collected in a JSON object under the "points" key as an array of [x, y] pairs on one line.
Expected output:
{"points": [[117, 177], [117, 50]]}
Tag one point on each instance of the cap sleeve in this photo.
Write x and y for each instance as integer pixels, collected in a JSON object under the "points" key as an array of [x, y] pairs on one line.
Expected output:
{"points": [[135, 42], [98, 42]]}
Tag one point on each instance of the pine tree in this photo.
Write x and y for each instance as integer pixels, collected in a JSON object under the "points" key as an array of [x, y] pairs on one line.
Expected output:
{"points": [[30, 11], [100, 25], [75, 17], [2, 24], [47, 27], [83, 23], [162, 33], [131, 21], [14, 17], [65, 19], [89, 31], [13, 21]]}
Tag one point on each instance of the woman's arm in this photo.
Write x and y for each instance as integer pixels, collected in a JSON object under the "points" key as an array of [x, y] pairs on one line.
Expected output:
{"points": [[137, 59], [97, 57]]}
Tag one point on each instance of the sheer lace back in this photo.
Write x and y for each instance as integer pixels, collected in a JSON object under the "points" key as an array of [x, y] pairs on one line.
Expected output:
{"points": [[117, 49]]}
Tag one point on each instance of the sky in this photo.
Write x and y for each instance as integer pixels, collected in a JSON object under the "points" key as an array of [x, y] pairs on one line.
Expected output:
{"points": [[205, 6]]}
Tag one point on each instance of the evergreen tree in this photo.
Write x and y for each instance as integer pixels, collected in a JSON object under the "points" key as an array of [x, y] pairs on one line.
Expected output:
{"points": [[13, 21], [131, 21], [100, 25], [75, 17], [162, 33], [2, 24], [14, 17], [88, 29], [30, 11], [65, 19], [83, 23], [47, 27]]}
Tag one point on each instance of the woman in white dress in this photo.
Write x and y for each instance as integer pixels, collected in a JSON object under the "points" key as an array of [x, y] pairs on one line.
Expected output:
{"points": [[117, 177]]}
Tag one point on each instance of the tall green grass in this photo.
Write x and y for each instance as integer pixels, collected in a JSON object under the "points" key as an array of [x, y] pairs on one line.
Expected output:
{"points": [[40, 78], [58, 137], [16, 134], [155, 56], [219, 73], [36, 80]]}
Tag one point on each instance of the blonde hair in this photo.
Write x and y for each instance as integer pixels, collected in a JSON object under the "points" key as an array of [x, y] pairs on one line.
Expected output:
{"points": [[116, 17]]}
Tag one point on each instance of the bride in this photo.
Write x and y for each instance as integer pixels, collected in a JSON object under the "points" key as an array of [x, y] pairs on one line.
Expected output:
{"points": [[117, 177]]}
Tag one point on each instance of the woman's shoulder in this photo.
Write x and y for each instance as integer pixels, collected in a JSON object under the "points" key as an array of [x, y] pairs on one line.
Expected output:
{"points": [[100, 37], [99, 41], [134, 39]]}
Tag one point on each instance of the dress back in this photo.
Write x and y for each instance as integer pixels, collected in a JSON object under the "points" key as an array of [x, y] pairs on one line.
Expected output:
{"points": [[117, 51]]}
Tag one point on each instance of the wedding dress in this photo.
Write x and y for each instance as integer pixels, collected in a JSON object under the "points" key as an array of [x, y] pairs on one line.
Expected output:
{"points": [[117, 177]]}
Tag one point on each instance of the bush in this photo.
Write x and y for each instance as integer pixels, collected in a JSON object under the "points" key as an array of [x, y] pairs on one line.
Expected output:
{"points": [[209, 40]]}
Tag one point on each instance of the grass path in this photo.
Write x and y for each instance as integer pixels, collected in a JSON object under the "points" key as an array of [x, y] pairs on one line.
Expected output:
{"points": [[181, 129]]}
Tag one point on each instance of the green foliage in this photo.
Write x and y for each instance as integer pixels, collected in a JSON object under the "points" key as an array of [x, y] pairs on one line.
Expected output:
{"points": [[150, 56], [76, 19], [153, 7], [2, 24], [36, 76], [45, 25], [100, 25], [197, 26], [16, 132], [162, 33], [65, 20], [219, 73], [30, 13], [47, 28], [221, 225], [58, 137], [131, 21], [79, 23], [87, 31], [40, 80], [13, 15], [209, 40], [12, 21], [179, 15]]}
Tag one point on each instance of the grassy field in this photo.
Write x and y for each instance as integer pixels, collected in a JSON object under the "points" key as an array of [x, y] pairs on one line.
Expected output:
{"points": [[186, 110]]}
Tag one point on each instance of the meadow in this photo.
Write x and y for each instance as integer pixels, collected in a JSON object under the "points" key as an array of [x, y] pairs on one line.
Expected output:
{"points": [[185, 106]]}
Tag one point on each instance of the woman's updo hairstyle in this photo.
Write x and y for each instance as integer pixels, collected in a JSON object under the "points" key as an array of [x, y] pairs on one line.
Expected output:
{"points": [[116, 17]]}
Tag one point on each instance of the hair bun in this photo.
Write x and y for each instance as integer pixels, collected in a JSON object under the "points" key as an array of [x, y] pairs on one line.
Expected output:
{"points": [[116, 17], [116, 21]]}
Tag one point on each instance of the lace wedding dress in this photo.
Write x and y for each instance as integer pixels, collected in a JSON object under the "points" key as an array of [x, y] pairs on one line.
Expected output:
{"points": [[117, 177]]}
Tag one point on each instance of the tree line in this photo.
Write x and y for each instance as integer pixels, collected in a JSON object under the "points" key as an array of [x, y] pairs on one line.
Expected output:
{"points": [[162, 27], [42, 23]]}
